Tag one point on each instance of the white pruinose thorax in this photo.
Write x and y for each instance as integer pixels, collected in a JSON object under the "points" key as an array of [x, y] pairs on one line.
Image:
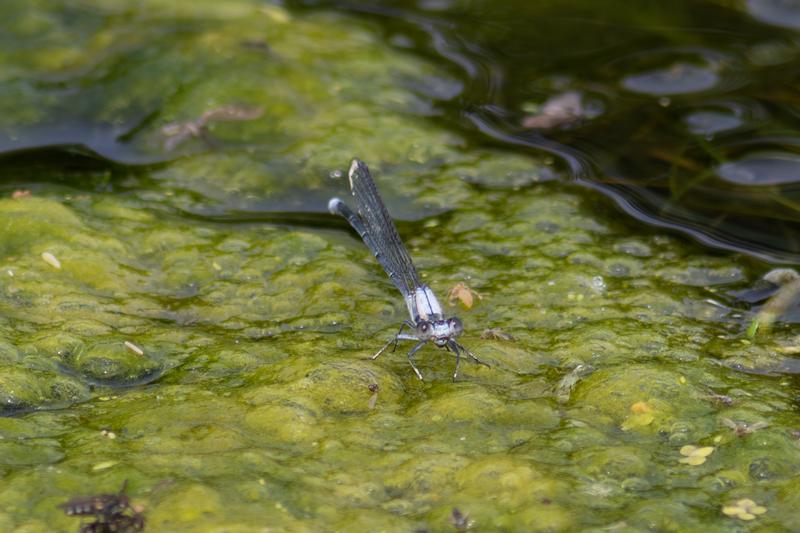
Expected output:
{"points": [[423, 305]]}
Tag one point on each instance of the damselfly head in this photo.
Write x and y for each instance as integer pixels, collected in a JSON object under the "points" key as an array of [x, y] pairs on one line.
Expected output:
{"points": [[439, 331]]}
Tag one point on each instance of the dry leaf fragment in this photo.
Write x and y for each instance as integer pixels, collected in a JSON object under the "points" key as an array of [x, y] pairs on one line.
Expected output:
{"points": [[132, 347], [51, 260], [561, 109], [641, 415], [744, 509], [463, 293], [177, 132], [695, 455]]}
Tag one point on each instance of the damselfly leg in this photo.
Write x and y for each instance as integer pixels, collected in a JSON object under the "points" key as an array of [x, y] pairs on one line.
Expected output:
{"points": [[414, 350], [399, 337], [472, 355], [454, 346], [457, 349]]}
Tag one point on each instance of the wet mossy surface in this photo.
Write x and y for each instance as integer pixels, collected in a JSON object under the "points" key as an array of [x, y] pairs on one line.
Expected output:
{"points": [[219, 362]]}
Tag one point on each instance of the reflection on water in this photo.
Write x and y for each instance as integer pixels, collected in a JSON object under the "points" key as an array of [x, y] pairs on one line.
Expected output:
{"points": [[679, 78], [779, 12], [697, 128], [712, 122]]}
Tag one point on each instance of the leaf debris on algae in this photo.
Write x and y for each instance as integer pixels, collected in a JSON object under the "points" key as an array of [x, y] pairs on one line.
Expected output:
{"points": [[177, 132], [744, 509], [641, 415], [51, 260], [132, 347], [695, 455], [463, 293]]}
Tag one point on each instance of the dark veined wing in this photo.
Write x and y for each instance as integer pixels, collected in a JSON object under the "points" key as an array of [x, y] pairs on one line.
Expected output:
{"points": [[384, 240], [338, 207]]}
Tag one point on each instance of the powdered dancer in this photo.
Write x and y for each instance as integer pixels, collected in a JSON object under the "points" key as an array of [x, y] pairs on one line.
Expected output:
{"points": [[375, 227]]}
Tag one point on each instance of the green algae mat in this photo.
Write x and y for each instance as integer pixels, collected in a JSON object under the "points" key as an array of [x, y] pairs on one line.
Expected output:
{"points": [[178, 310]]}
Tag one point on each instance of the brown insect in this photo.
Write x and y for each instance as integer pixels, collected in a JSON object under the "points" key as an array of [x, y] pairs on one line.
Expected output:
{"points": [[497, 334], [112, 512], [723, 399], [102, 504], [740, 429], [373, 388]]}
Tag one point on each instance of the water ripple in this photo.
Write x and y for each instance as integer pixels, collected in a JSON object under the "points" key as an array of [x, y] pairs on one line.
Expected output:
{"points": [[578, 163]]}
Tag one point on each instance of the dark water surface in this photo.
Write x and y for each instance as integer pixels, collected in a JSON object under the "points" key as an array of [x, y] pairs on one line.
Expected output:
{"points": [[179, 310], [687, 111]]}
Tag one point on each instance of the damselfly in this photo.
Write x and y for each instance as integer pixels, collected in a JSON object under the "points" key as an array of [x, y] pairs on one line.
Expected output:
{"points": [[376, 228]]}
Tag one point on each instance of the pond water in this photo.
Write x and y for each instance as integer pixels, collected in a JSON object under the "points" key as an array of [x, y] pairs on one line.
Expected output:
{"points": [[179, 310], [682, 112]]}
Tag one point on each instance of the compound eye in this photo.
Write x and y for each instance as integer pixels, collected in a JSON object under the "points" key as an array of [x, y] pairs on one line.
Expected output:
{"points": [[424, 327], [456, 325]]}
